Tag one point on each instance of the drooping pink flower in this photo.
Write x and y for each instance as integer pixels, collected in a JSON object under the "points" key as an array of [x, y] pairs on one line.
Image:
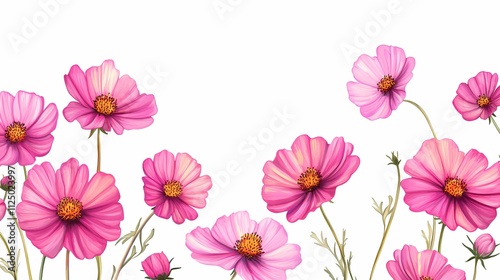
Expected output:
{"points": [[301, 179], [3, 209], [156, 266], [25, 127], [380, 81], [64, 209], [174, 187], [479, 97], [409, 264], [254, 250], [458, 188], [484, 245], [106, 100]]}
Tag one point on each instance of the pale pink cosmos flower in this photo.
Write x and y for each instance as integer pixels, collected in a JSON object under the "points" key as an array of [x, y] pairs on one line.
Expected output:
{"points": [[106, 100], [25, 127], [409, 264], [484, 245], [64, 209], [299, 180], [458, 188], [380, 81], [174, 187], [3, 209], [254, 250], [156, 266], [479, 97]]}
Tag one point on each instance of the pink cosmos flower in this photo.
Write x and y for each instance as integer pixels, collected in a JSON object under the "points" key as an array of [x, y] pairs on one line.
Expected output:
{"points": [[301, 179], [173, 186], [25, 127], [409, 264], [458, 188], [484, 245], [106, 100], [156, 266], [64, 209], [3, 209], [254, 250], [381, 81], [479, 97]]}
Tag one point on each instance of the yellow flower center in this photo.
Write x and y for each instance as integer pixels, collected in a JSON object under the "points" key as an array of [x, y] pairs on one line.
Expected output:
{"points": [[69, 209], [15, 132], [425, 278], [386, 84], [172, 188], [309, 179], [455, 187], [483, 101], [105, 104], [249, 245]]}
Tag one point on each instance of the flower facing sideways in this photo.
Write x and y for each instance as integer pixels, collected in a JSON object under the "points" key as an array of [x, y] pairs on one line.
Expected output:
{"points": [[479, 97], [157, 267], [25, 127], [107, 101], [458, 188], [409, 264], [173, 186], [256, 251], [301, 179], [64, 209], [380, 81]]}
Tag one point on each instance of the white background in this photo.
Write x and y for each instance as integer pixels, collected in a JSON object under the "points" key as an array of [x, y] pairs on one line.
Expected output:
{"points": [[222, 72]]}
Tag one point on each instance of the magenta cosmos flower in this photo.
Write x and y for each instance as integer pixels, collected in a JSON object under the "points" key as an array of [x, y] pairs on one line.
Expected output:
{"points": [[479, 97], [458, 188], [64, 209], [300, 180], [173, 186], [106, 100], [25, 127], [157, 266], [409, 264], [381, 81], [254, 250]]}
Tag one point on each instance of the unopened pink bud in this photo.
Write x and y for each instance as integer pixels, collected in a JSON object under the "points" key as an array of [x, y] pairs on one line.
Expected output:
{"points": [[484, 245]]}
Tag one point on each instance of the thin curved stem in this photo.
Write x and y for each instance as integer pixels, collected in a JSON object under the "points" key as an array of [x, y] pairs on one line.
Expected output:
{"points": [[233, 275], [475, 269], [99, 267], [122, 263], [42, 264], [495, 123], [25, 173], [67, 264], [440, 238], [98, 150], [23, 240], [425, 115], [341, 248], [388, 224]]}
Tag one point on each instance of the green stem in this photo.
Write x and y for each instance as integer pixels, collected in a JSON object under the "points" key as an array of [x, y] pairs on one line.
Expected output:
{"points": [[67, 264], [98, 150], [388, 224], [233, 275], [423, 113], [42, 264], [341, 247], [433, 238], [475, 270], [25, 173], [495, 123], [139, 230], [440, 238], [99, 267], [28, 266]]}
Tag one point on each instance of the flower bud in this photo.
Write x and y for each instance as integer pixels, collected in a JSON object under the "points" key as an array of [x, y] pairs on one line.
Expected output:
{"points": [[484, 245], [157, 266], [4, 183]]}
